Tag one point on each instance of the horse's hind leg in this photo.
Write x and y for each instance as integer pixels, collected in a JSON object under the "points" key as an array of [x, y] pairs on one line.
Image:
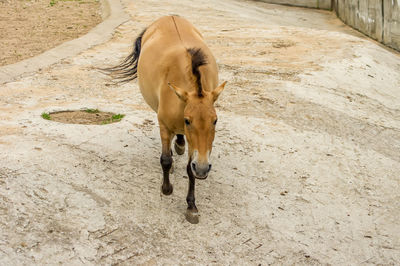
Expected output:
{"points": [[166, 159], [179, 144]]}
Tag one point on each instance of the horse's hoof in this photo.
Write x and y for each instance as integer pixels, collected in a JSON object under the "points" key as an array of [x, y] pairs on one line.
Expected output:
{"points": [[192, 216], [180, 149], [167, 190]]}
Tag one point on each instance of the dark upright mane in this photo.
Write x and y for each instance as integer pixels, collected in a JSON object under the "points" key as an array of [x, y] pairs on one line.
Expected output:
{"points": [[198, 60]]}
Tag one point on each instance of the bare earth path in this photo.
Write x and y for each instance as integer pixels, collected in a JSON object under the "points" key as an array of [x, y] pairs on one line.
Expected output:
{"points": [[306, 158], [30, 27]]}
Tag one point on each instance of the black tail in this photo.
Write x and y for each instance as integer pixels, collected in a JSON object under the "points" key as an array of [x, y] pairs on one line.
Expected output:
{"points": [[127, 69]]}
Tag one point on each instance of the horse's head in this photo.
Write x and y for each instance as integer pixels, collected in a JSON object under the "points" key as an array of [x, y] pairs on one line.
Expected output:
{"points": [[199, 121]]}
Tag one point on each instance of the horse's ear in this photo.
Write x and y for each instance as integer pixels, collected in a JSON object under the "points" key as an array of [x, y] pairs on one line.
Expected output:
{"points": [[218, 90], [181, 93]]}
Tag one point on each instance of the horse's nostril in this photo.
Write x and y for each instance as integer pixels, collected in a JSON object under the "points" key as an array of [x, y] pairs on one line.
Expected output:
{"points": [[194, 166], [209, 167]]}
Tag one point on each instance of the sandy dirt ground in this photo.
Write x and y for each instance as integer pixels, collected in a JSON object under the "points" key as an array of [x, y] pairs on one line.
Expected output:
{"points": [[30, 27], [306, 158]]}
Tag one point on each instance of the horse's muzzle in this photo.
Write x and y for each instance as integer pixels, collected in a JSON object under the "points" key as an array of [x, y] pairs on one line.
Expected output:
{"points": [[201, 178], [200, 171]]}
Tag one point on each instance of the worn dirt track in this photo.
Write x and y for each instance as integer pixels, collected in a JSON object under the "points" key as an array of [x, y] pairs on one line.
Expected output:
{"points": [[306, 158], [28, 28]]}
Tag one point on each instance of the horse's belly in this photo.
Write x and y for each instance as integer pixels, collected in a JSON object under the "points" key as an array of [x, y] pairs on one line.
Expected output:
{"points": [[149, 95]]}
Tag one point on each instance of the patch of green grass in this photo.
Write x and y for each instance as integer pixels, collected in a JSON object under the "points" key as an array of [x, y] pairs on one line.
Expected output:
{"points": [[114, 118], [46, 116], [53, 2], [117, 117], [92, 111]]}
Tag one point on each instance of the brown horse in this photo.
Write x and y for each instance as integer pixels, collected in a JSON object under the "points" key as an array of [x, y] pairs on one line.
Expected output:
{"points": [[178, 78]]}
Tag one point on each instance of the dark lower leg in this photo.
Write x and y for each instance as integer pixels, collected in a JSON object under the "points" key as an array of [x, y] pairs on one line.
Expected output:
{"points": [[166, 164], [180, 140], [180, 144], [191, 212], [166, 158], [190, 196]]}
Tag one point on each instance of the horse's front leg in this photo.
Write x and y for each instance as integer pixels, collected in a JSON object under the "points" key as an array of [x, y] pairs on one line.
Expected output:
{"points": [[166, 158], [192, 215]]}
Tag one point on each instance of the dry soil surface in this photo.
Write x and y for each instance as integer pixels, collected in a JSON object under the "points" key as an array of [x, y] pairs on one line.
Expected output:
{"points": [[30, 27], [85, 117], [306, 158]]}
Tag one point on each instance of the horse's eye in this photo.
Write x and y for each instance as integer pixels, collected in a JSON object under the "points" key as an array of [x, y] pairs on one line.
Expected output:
{"points": [[215, 122], [187, 122]]}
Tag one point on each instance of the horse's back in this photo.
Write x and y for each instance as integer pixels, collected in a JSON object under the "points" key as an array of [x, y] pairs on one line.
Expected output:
{"points": [[173, 30], [161, 50]]}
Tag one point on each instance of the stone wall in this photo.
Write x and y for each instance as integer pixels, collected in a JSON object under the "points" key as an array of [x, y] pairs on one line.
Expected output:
{"points": [[363, 15], [323, 4], [378, 19]]}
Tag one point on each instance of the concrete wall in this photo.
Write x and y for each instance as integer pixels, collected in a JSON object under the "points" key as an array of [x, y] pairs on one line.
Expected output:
{"points": [[391, 24], [323, 4], [379, 19]]}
